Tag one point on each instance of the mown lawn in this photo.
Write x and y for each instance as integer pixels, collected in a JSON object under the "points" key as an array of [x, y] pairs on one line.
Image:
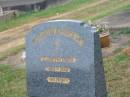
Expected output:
{"points": [[100, 10], [12, 82], [92, 13], [117, 71], [51, 11], [10, 52]]}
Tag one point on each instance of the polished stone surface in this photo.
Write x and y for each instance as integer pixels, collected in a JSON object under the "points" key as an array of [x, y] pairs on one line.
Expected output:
{"points": [[64, 60]]}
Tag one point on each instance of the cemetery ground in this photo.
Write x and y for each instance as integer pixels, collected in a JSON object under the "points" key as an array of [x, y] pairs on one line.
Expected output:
{"points": [[117, 71], [12, 40], [116, 63], [15, 36]]}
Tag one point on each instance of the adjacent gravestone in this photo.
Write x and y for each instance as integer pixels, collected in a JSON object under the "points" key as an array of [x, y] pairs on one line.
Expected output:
{"points": [[64, 60]]}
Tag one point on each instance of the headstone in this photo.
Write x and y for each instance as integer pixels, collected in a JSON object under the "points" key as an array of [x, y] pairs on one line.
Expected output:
{"points": [[64, 60]]}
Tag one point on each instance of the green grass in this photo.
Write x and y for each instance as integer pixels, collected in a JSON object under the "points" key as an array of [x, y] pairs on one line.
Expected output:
{"points": [[125, 31], [117, 67], [128, 43], [121, 57], [111, 10], [51, 11], [101, 10], [92, 13], [12, 82], [10, 52], [117, 72]]}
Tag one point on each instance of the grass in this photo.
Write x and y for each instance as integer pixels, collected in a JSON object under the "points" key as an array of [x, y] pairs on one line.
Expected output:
{"points": [[117, 67], [51, 11], [12, 82], [122, 31], [128, 42], [108, 11], [92, 13], [10, 52], [125, 31], [101, 10], [117, 72]]}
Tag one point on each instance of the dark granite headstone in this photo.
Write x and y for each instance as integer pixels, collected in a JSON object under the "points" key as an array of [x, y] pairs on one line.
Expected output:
{"points": [[64, 60]]}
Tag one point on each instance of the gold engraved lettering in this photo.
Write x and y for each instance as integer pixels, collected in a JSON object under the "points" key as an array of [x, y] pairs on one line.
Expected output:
{"points": [[58, 69], [64, 32], [59, 59], [58, 80]]}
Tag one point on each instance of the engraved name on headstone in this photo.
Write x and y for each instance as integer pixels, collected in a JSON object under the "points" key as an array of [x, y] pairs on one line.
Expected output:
{"points": [[64, 60]]}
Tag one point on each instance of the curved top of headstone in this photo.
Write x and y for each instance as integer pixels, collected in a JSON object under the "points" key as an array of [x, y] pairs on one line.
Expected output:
{"points": [[74, 24], [67, 20]]}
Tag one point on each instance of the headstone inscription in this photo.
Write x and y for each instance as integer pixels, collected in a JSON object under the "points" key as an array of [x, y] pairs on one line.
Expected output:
{"points": [[64, 60]]}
